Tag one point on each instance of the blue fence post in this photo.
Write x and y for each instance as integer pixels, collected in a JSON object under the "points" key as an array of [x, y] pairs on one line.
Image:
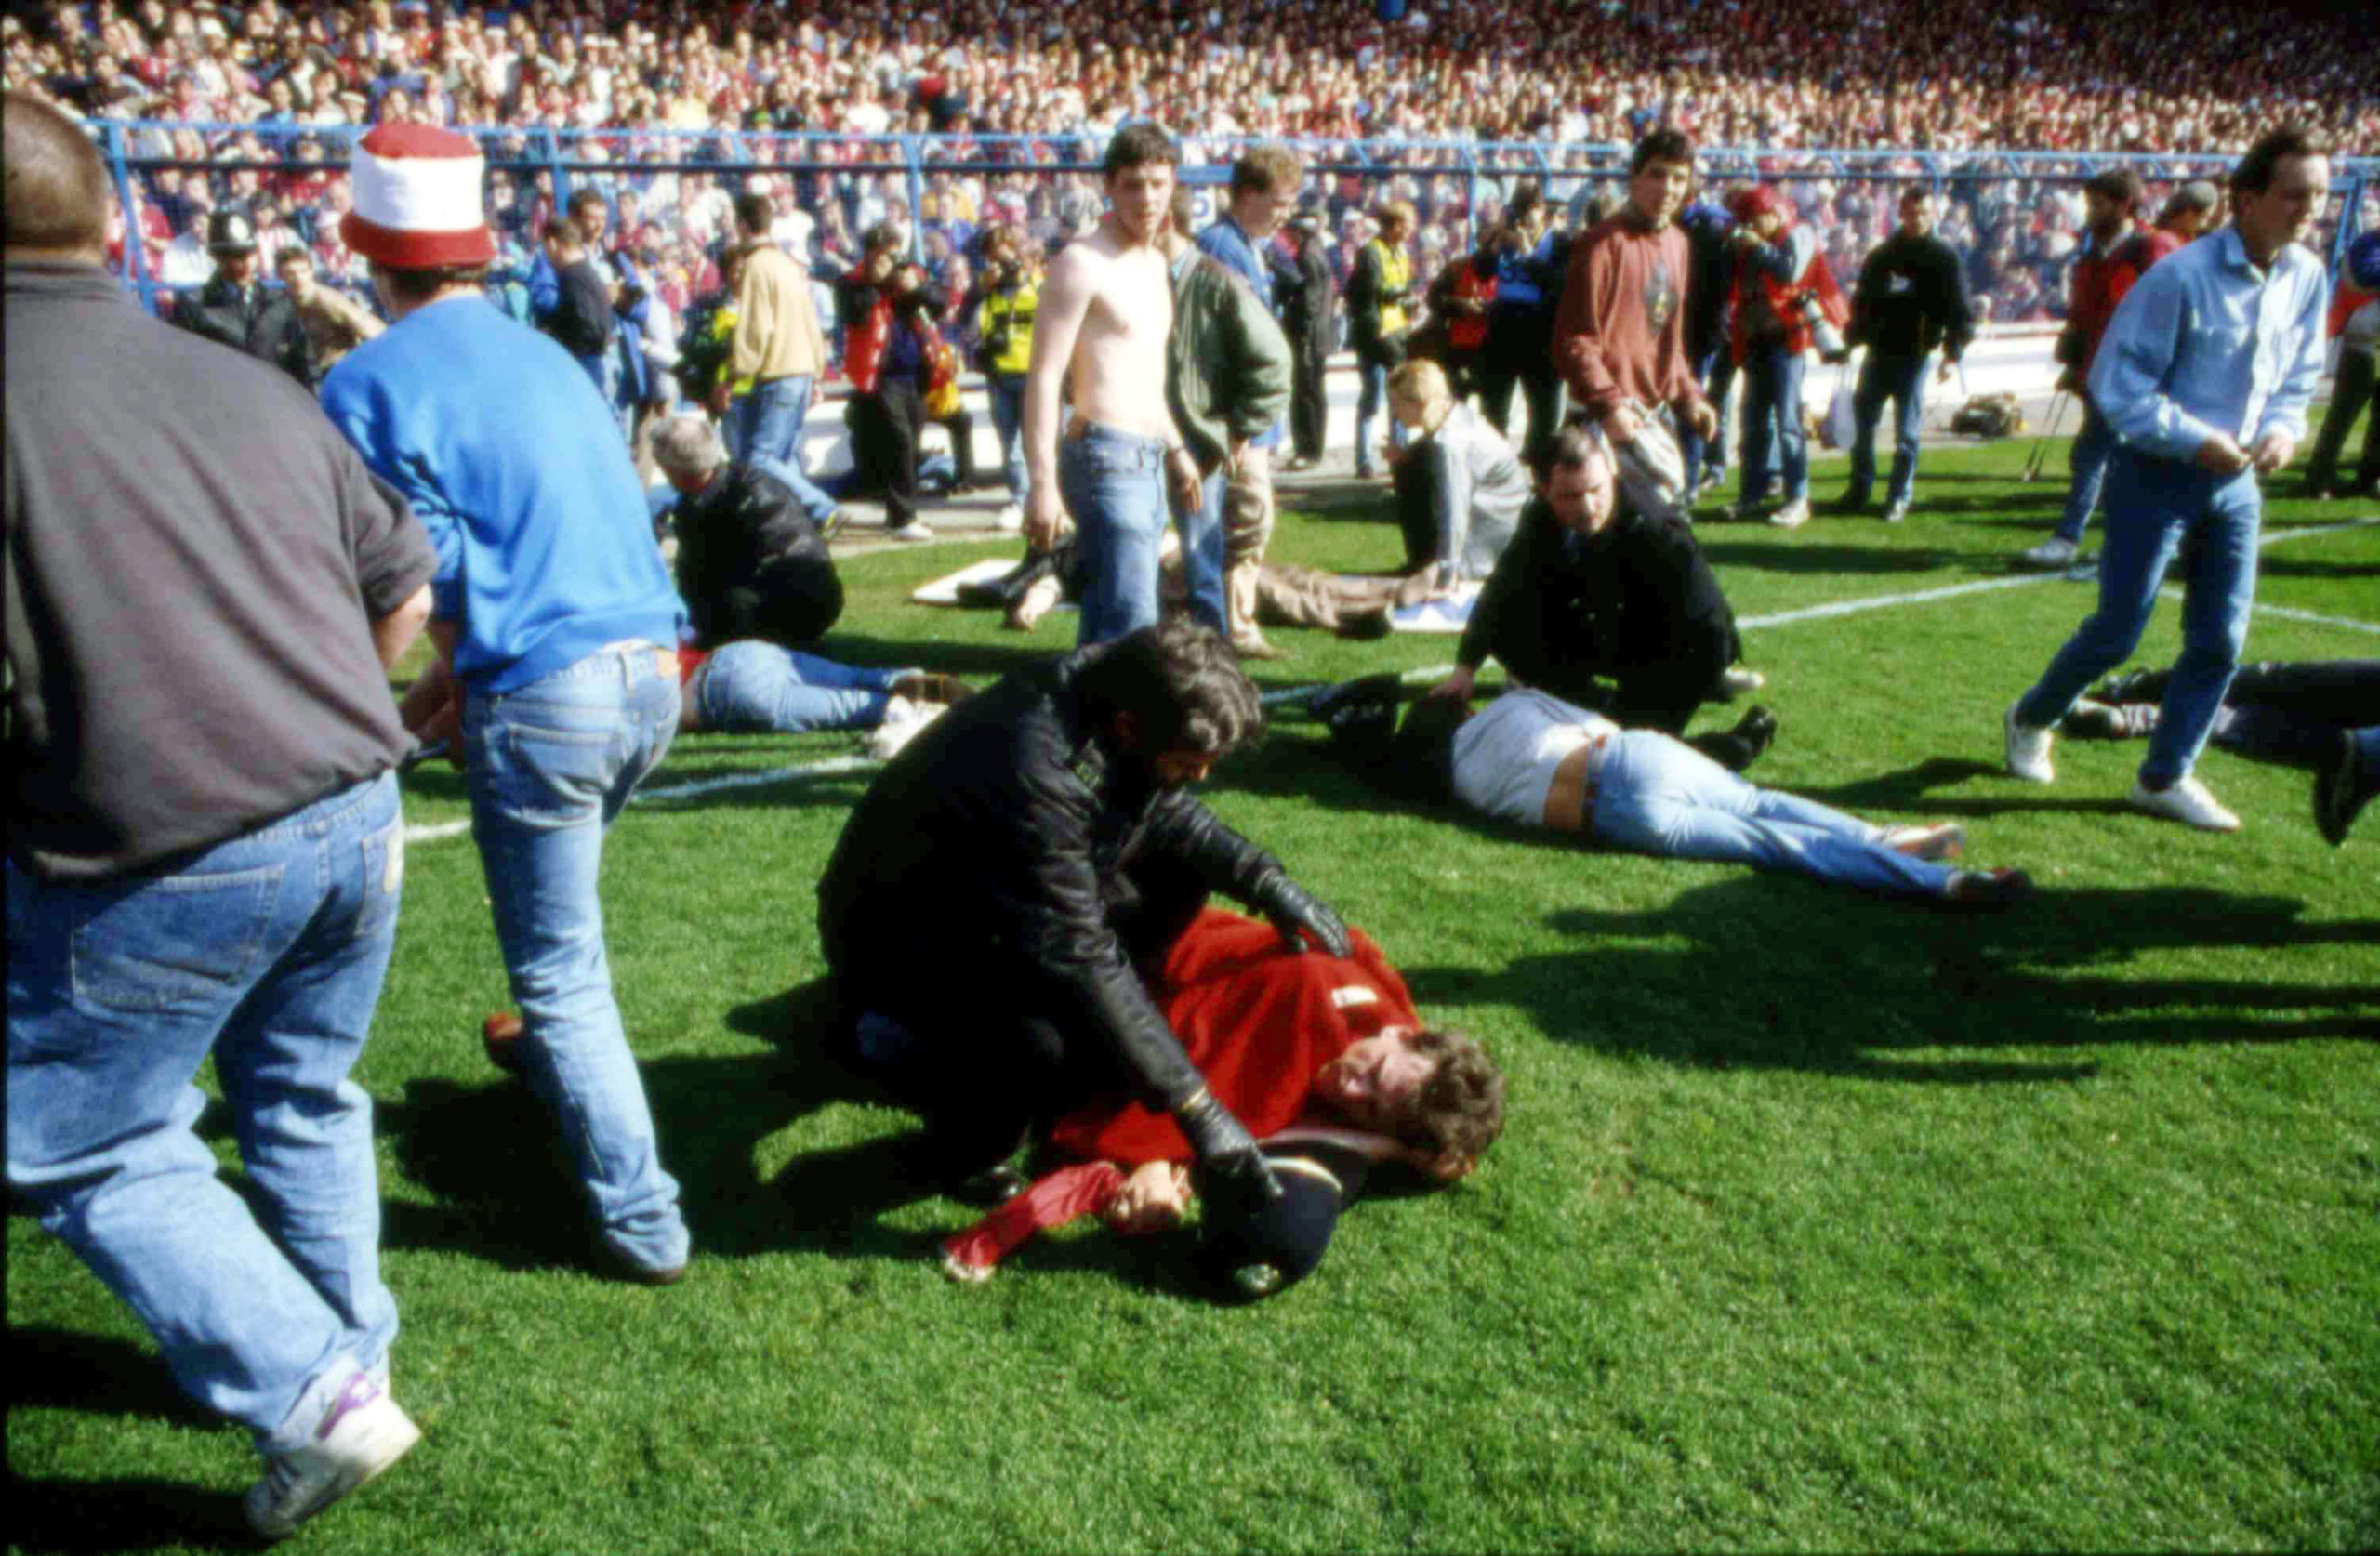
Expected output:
{"points": [[913, 162], [552, 144], [136, 247]]}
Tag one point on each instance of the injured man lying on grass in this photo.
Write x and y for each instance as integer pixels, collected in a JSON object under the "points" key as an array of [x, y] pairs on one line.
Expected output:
{"points": [[1325, 1059], [1531, 758]]}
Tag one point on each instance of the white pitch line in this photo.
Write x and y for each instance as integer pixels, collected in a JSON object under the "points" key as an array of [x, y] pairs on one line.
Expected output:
{"points": [[830, 767], [435, 831], [2293, 613]]}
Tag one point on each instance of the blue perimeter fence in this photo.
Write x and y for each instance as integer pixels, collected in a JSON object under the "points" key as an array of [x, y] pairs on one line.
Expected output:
{"points": [[1341, 174]]}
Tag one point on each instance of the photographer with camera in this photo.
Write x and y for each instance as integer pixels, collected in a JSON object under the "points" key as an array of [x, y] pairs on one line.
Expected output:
{"points": [[889, 308], [1006, 296]]}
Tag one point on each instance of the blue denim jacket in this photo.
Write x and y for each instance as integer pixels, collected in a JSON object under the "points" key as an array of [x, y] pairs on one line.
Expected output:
{"points": [[2205, 343]]}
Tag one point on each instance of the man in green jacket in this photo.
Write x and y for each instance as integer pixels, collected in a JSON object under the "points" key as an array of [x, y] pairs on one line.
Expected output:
{"points": [[1226, 381]]}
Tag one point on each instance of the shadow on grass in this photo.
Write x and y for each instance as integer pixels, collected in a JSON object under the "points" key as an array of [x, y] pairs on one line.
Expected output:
{"points": [[1841, 559], [46, 1514], [66, 1370], [2025, 979]]}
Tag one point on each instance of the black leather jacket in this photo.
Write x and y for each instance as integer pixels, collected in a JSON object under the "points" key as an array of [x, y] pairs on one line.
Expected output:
{"points": [[752, 564], [990, 855]]}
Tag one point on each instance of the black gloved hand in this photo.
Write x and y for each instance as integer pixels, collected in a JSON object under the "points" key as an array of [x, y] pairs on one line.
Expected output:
{"points": [[1234, 1177], [1291, 907]]}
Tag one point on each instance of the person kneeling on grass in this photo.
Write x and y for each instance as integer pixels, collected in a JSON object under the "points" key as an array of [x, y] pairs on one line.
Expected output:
{"points": [[1321, 1056], [752, 562], [1532, 758]]}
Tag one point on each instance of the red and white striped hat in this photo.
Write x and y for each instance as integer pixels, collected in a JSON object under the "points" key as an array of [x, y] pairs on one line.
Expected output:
{"points": [[417, 199]]}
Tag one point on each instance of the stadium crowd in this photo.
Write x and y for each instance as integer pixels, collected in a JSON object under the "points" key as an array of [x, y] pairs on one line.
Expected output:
{"points": [[1024, 88]]}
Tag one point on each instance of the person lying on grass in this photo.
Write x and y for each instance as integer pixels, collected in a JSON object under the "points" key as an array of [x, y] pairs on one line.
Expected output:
{"points": [[1532, 758], [1325, 1061]]}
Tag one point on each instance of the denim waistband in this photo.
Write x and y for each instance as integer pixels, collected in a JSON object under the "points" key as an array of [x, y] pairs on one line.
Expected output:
{"points": [[632, 651], [318, 816], [1082, 431]]}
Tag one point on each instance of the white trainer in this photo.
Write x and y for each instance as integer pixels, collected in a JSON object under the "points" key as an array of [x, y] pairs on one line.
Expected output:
{"points": [[1896, 512], [1736, 680], [2053, 552], [1941, 840], [361, 1433], [1792, 516], [1011, 519], [2188, 802], [2028, 750]]}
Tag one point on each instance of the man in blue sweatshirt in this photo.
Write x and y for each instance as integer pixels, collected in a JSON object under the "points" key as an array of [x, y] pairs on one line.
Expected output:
{"points": [[555, 623]]}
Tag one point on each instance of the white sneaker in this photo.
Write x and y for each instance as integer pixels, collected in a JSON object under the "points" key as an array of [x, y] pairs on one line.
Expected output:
{"points": [[361, 1433], [1895, 513], [916, 528], [1736, 680], [2053, 552], [2187, 802], [1011, 517], [2028, 750], [1792, 516]]}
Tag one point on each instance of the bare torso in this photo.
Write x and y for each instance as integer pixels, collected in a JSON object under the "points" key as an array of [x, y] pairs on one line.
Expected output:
{"points": [[1117, 373]]}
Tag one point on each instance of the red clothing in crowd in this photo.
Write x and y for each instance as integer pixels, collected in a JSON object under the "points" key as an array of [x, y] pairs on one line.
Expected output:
{"points": [[1620, 332], [1783, 304], [1258, 1021], [2101, 278]]}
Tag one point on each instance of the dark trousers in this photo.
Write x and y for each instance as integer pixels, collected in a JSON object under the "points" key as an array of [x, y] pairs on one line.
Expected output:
{"points": [[995, 1049], [1309, 405], [2285, 712], [1520, 354], [884, 445], [791, 605], [2347, 401], [960, 425]]}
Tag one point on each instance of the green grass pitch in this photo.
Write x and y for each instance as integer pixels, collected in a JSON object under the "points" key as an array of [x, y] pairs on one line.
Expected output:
{"points": [[1822, 1222]]}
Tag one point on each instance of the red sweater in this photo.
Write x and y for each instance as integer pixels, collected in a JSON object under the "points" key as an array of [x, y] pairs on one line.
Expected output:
{"points": [[1620, 332], [1258, 1021]]}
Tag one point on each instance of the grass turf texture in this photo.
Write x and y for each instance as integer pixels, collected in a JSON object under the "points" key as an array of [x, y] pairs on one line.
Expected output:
{"points": [[1821, 1222]]}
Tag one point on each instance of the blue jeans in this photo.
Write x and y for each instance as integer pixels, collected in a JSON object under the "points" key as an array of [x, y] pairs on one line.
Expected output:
{"points": [[268, 951], [1716, 373], [768, 426], [1007, 390], [1660, 796], [1372, 394], [1901, 380], [551, 765], [1203, 552], [2153, 506], [1114, 484], [757, 688], [2094, 447], [1773, 410]]}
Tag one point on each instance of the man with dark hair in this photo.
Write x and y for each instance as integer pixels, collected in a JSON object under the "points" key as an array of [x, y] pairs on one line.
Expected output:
{"points": [[1031, 846], [1263, 182], [1307, 311], [1910, 297], [2205, 374], [750, 562], [626, 377], [1099, 342], [555, 626], [1606, 607], [1226, 380], [235, 308], [581, 318], [1382, 299], [2103, 272], [779, 347], [205, 590], [1620, 338], [333, 323], [888, 308], [1527, 255]]}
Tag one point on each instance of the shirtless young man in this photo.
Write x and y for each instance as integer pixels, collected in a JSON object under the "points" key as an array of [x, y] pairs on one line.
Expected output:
{"points": [[1106, 310]]}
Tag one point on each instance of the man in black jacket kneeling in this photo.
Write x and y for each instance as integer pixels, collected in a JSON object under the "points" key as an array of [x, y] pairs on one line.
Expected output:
{"points": [[751, 563], [993, 892]]}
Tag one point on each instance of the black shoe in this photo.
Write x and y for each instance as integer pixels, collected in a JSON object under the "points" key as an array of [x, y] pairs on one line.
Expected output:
{"points": [[1850, 503], [989, 1189], [1737, 748], [2118, 691], [2341, 791], [1365, 626]]}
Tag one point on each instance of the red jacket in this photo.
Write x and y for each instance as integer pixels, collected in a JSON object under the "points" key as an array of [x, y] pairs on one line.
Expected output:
{"points": [[1258, 1021], [2100, 281], [1784, 303], [867, 328]]}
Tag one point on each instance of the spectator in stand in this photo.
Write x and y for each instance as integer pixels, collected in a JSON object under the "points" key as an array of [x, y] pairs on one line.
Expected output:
{"points": [[1620, 338], [2110, 266], [1309, 301], [235, 308], [332, 322], [751, 561], [1263, 183], [780, 349], [2205, 374], [205, 843], [1530, 259], [555, 626], [1910, 299], [1381, 300], [1780, 280], [1007, 295], [888, 306], [2355, 321]]}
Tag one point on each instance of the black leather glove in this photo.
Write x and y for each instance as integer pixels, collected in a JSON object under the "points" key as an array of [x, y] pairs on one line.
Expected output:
{"points": [[1234, 1177], [1291, 907]]}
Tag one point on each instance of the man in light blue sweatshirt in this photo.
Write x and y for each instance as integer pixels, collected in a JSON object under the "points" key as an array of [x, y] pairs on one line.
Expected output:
{"points": [[2206, 374]]}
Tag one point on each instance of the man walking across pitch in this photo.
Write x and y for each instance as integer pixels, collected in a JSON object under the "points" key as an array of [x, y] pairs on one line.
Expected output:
{"points": [[779, 347], [555, 624], [205, 589], [2204, 376], [1100, 335], [1910, 297]]}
